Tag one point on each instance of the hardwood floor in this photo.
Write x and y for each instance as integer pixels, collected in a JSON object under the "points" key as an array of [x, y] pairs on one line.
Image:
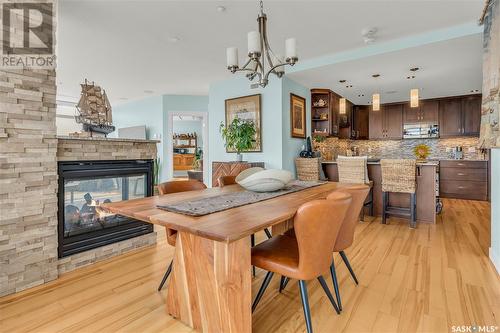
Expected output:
{"points": [[423, 280]]}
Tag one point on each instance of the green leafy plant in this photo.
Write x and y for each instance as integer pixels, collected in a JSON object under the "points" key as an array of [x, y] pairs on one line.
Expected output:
{"points": [[239, 135], [319, 138], [156, 171], [198, 159]]}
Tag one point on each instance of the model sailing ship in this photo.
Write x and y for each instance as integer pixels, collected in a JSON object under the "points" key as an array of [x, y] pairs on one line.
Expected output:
{"points": [[94, 110]]}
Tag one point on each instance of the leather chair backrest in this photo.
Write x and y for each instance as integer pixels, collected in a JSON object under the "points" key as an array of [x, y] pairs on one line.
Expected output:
{"points": [[180, 186], [316, 225], [346, 233], [227, 180]]}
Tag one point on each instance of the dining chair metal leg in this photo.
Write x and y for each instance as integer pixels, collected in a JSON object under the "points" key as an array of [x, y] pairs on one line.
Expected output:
{"points": [[283, 283], [344, 258], [335, 285], [305, 305], [268, 233], [167, 273], [328, 293], [263, 287]]}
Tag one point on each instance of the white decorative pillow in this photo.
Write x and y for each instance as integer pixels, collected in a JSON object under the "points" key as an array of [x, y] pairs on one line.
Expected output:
{"points": [[264, 180]]}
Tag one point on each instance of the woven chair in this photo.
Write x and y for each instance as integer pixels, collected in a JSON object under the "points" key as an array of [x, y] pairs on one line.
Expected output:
{"points": [[399, 176], [354, 170]]}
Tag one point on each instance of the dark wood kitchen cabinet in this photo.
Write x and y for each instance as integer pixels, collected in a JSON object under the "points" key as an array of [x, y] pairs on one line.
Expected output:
{"points": [[426, 112], [360, 122], [471, 114], [386, 123], [460, 116], [463, 180]]}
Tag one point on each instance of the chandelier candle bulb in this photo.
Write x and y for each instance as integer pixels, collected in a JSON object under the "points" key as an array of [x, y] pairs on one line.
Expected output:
{"points": [[291, 48], [232, 57], [253, 42]]}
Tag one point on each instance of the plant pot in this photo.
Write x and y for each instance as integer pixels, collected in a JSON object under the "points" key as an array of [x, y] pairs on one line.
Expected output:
{"points": [[239, 157]]}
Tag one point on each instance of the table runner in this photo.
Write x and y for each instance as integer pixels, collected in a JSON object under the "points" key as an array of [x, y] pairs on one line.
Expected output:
{"points": [[205, 206]]}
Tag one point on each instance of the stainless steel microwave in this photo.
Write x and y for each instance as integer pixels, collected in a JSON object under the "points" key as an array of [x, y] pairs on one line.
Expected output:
{"points": [[420, 131]]}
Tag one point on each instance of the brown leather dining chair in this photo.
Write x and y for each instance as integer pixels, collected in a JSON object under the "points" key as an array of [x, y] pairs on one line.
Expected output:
{"points": [[307, 255], [345, 237], [175, 187]]}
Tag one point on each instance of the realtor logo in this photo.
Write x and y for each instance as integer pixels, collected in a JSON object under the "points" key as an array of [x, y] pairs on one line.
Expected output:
{"points": [[27, 35]]}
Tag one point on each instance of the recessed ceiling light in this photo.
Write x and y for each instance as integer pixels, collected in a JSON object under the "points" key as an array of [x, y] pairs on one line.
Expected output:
{"points": [[414, 69], [148, 91], [410, 77], [375, 75], [342, 81], [349, 86], [174, 39], [221, 9]]}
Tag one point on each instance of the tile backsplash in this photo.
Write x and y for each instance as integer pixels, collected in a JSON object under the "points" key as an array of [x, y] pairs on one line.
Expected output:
{"points": [[332, 147]]}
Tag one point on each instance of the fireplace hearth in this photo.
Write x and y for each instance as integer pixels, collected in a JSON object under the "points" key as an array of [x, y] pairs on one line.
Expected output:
{"points": [[84, 186]]}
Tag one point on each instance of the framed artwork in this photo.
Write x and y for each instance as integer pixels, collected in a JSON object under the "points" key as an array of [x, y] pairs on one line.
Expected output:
{"points": [[297, 116], [246, 108]]}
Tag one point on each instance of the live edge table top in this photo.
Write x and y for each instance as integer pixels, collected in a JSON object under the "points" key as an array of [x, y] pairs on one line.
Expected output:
{"points": [[225, 226]]}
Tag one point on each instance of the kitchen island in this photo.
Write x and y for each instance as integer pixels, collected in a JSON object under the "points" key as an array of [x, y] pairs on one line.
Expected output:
{"points": [[427, 183]]}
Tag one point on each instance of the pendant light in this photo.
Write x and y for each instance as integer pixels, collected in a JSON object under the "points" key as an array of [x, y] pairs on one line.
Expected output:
{"points": [[414, 92], [376, 97], [342, 106]]}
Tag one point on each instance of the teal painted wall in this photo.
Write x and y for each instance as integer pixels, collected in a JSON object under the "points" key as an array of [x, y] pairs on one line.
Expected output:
{"points": [[271, 122], [495, 208], [293, 146], [278, 148], [153, 112]]}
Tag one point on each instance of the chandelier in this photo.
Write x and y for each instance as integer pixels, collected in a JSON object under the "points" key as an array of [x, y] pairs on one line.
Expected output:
{"points": [[259, 52]]}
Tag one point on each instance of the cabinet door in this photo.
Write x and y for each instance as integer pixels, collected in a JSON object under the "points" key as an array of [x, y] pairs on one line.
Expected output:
{"points": [[450, 117], [188, 161], [393, 119], [471, 115], [360, 120], [376, 128], [334, 115], [429, 112], [410, 115]]}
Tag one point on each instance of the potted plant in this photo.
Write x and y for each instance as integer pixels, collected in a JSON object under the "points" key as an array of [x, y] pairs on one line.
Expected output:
{"points": [[198, 160], [239, 135]]}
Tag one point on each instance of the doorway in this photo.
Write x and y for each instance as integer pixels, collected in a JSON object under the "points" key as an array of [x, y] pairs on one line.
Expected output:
{"points": [[187, 144]]}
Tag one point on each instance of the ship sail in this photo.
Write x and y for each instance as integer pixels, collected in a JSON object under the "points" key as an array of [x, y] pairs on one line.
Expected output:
{"points": [[94, 110]]}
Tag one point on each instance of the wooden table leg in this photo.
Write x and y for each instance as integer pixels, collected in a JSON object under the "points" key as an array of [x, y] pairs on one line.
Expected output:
{"points": [[210, 287]]}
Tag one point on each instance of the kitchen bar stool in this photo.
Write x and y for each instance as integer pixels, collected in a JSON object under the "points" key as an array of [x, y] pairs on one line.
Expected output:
{"points": [[399, 176], [175, 187], [354, 170], [307, 255]]}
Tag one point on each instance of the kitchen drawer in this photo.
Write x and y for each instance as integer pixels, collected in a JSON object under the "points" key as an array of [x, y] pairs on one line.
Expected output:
{"points": [[464, 164], [463, 189], [479, 175]]}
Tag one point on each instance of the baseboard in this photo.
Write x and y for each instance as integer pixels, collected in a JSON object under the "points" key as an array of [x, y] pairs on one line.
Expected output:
{"points": [[495, 259]]}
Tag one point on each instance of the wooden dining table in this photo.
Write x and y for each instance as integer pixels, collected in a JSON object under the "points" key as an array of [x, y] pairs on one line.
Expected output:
{"points": [[210, 284]]}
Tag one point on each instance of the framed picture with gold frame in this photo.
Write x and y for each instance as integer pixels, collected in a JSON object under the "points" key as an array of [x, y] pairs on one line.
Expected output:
{"points": [[246, 108], [297, 116]]}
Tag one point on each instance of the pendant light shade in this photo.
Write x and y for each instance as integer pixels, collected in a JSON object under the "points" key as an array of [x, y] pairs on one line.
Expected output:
{"points": [[342, 106], [376, 102], [414, 98]]}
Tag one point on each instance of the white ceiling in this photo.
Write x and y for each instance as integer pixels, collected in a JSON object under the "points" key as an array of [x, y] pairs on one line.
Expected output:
{"points": [[124, 45], [449, 68]]}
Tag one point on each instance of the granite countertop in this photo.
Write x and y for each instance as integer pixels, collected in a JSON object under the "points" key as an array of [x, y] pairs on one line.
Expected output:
{"points": [[95, 138], [431, 163]]}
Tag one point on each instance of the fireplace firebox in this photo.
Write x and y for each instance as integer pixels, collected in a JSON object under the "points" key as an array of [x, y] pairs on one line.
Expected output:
{"points": [[83, 187]]}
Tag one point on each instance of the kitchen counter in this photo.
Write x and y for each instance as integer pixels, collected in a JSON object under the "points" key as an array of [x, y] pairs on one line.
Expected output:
{"points": [[426, 188]]}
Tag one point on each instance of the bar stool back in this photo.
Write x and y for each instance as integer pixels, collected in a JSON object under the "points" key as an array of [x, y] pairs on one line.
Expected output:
{"points": [[399, 176], [354, 170]]}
